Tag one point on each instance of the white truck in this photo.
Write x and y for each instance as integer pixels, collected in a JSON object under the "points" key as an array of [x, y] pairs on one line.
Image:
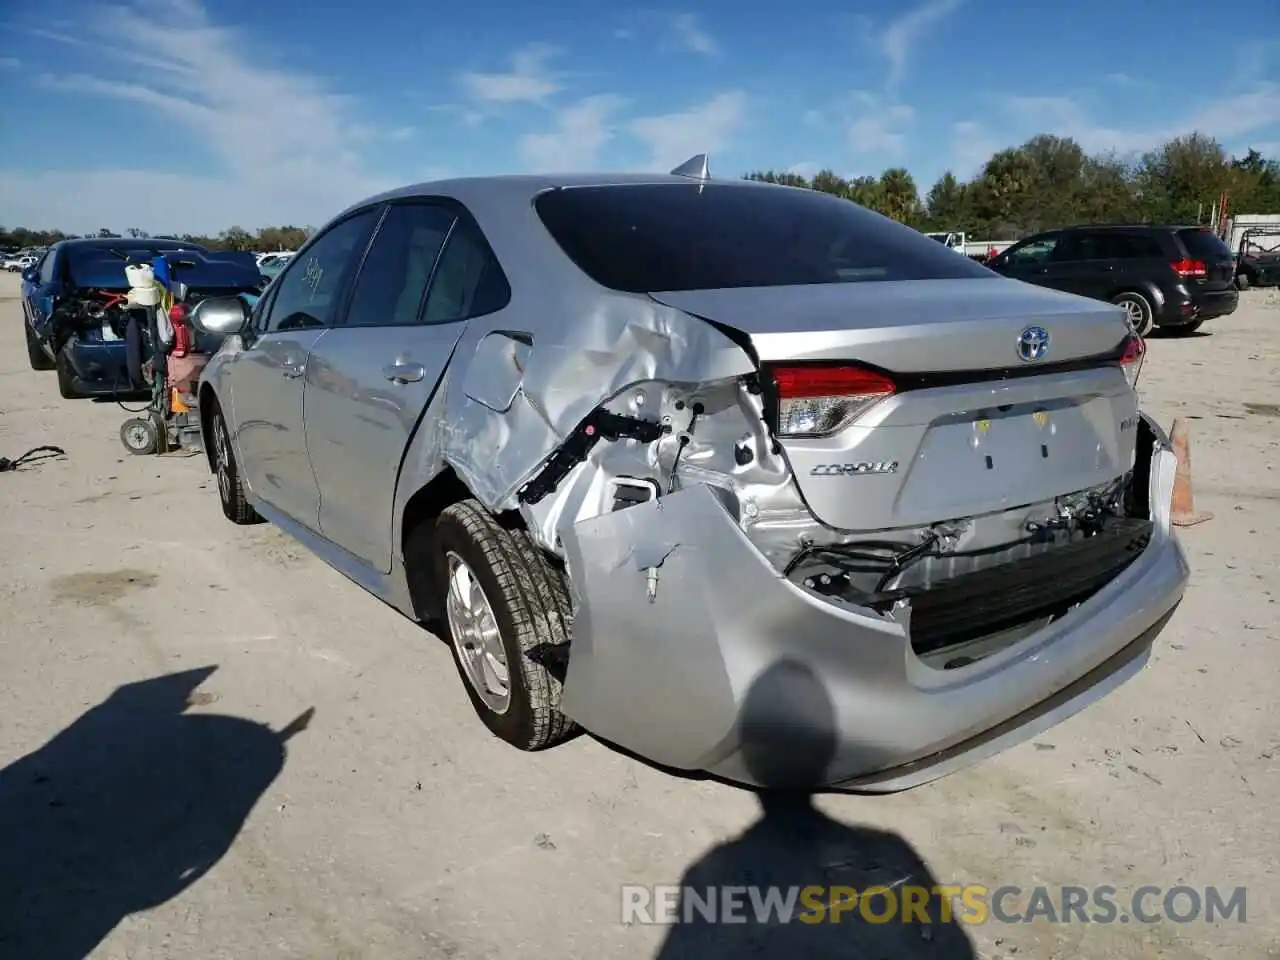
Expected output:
{"points": [[956, 241]]}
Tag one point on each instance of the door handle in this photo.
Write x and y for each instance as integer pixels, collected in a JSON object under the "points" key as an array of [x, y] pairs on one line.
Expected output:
{"points": [[404, 372]]}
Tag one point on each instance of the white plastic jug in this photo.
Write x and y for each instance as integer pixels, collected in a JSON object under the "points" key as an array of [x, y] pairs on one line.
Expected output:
{"points": [[140, 275]]}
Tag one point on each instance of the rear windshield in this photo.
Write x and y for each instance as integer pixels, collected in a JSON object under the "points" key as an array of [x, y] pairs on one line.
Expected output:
{"points": [[665, 237], [1203, 245]]}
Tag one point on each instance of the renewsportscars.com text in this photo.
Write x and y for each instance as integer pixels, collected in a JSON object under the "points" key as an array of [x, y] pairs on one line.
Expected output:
{"points": [[944, 903]]}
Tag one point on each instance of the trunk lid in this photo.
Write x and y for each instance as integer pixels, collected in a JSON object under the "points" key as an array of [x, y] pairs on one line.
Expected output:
{"points": [[969, 430], [909, 326]]}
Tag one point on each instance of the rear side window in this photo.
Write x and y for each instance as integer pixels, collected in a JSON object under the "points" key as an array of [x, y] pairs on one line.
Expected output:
{"points": [[396, 269], [1135, 246], [1203, 245], [1108, 245], [666, 237], [468, 282]]}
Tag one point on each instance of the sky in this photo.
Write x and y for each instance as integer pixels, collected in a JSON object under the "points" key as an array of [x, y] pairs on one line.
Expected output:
{"points": [[183, 116]]}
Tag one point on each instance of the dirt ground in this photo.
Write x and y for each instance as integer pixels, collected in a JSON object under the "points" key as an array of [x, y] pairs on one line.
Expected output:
{"points": [[214, 746]]}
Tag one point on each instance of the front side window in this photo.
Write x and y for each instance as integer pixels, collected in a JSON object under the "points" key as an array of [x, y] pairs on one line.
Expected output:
{"points": [[1075, 247], [1032, 252], [47, 265], [395, 273], [308, 293], [642, 238]]}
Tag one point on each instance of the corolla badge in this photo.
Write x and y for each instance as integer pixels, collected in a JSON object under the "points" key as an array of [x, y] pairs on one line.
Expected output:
{"points": [[1033, 344], [858, 468]]}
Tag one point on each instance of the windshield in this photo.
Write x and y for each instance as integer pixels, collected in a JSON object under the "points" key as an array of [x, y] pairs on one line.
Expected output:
{"points": [[666, 237]]}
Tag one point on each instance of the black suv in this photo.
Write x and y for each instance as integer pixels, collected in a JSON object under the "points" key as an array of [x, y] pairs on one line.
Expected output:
{"points": [[1174, 278]]}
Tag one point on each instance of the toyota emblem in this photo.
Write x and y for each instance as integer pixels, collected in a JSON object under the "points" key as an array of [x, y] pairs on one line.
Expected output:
{"points": [[1033, 344]]}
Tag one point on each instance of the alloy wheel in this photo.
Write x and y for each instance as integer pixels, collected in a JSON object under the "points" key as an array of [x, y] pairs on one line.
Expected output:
{"points": [[222, 458], [477, 639]]}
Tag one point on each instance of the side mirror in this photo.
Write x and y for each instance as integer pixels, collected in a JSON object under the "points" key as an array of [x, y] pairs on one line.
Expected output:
{"points": [[29, 275], [220, 316]]}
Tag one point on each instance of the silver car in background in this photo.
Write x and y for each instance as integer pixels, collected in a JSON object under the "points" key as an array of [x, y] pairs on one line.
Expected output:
{"points": [[742, 478]]}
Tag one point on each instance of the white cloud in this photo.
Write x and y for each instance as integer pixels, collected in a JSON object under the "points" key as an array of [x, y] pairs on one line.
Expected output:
{"points": [[690, 34], [881, 130], [874, 124], [898, 39], [10, 63], [1127, 80], [806, 168], [1227, 119], [675, 137], [971, 147], [528, 81], [574, 145], [622, 33], [280, 136]]}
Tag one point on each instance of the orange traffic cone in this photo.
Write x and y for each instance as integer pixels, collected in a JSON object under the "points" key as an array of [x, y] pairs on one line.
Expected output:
{"points": [[1184, 508]]}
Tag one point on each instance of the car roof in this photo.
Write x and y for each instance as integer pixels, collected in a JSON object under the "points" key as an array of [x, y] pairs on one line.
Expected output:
{"points": [[1157, 227], [502, 206], [515, 186], [124, 243]]}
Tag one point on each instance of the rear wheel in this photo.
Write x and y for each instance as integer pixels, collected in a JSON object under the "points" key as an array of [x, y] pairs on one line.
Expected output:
{"points": [[504, 607], [235, 505], [1138, 312], [66, 377], [36, 356]]}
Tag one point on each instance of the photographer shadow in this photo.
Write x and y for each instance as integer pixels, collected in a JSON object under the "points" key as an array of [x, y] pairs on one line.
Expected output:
{"points": [[789, 738], [124, 810]]}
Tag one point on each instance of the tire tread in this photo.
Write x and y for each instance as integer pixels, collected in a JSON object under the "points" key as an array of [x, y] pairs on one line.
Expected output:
{"points": [[238, 509], [537, 602]]}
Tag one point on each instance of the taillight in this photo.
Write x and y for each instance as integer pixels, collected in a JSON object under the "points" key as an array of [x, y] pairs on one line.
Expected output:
{"points": [[817, 399], [1189, 268], [178, 313], [1135, 349]]}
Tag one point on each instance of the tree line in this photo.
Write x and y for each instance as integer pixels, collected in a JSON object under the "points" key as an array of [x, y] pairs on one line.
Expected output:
{"points": [[233, 238], [1046, 182], [1051, 182]]}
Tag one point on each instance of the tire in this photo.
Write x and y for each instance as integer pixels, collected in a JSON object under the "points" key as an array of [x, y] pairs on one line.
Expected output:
{"points": [[235, 505], [36, 356], [1139, 313], [528, 603], [66, 378], [140, 436]]}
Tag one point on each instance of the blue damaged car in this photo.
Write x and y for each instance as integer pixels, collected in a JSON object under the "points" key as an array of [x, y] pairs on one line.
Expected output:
{"points": [[76, 312]]}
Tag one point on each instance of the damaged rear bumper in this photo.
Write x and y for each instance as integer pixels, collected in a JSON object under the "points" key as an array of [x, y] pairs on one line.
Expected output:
{"points": [[99, 368], [690, 649]]}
